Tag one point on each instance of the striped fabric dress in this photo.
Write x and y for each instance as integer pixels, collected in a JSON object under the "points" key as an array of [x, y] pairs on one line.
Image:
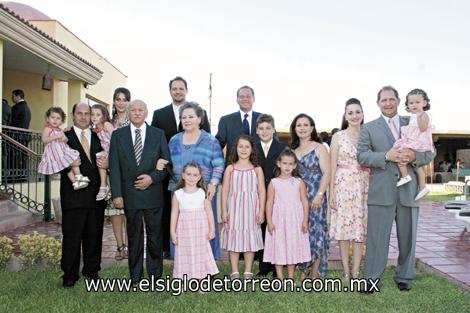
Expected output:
{"points": [[57, 155], [242, 233], [193, 253], [105, 140]]}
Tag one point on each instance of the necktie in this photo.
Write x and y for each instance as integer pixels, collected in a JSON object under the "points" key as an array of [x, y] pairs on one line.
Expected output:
{"points": [[138, 146], [246, 125], [394, 129], [85, 144], [266, 150]]}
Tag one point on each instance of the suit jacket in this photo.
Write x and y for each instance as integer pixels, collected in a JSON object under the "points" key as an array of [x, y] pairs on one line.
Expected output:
{"points": [[20, 115], [6, 114], [83, 198], [268, 164], [123, 169], [230, 127], [164, 119], [375, 140]]}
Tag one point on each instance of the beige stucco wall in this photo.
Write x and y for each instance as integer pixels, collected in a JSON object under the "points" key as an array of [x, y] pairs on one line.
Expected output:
{"points": [[38, 100], [112, 77]]}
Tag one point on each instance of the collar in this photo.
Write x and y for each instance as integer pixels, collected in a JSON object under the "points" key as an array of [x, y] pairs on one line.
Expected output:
{"points": [[266, 145], [395, 119], [142, 127], [242, 114]]}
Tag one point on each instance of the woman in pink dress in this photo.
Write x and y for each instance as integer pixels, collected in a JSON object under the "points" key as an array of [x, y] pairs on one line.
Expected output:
{"points": [[287, 240], [417, 135], [192, 226], [348, 190], [57, 154]]}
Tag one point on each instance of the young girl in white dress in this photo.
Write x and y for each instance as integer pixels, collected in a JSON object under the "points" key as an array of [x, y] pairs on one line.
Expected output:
{"points": [[417, 135], [57, 154], [192, 226]]}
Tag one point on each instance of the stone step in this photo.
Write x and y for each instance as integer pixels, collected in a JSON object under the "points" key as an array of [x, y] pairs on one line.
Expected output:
{"points": [[18, 218], [7, 206]]}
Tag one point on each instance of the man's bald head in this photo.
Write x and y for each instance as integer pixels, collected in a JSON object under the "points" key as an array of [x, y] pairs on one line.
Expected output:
{"points": [[137, 112], [81, 115]]}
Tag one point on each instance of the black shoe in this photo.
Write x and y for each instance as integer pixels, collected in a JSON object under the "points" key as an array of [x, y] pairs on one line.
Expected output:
{"points": [[69, 283], [262, 274], [369, 288], [403, 287]]}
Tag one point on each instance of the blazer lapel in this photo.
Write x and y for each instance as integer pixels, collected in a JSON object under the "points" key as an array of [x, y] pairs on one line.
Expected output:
{"points": [[127, 142], [147, 145], [75, 141], [254, 117], [386, 129], [172, 120]]}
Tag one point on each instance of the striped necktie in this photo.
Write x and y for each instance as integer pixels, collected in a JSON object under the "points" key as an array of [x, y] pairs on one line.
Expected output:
{"points": [[138, 146]]}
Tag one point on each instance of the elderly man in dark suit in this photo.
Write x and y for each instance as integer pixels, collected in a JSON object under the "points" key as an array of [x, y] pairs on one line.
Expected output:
{"points": [[168, 119], [82, 215], [238, 123], [137, 187]]}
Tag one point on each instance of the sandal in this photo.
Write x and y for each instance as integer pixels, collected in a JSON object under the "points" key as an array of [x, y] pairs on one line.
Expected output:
{"points": [[102, 193], [247, 275], [235, 275], [78, 184], [125, 252], [118, 255]]}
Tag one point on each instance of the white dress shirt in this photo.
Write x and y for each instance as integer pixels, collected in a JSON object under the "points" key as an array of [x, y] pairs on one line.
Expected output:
{"points": [[143, 130], [395, 120], [176, 112], [78, 132], [266, 147]]}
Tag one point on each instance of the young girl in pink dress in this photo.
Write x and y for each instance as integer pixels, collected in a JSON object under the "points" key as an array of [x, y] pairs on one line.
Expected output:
{"points": [[287, 240], [57, 154], [243, 201], [192, 226], [103, 128], [417, 135]]}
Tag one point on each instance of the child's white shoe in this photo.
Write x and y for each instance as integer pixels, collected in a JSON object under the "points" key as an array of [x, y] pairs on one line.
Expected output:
{"points": [[102, 193], [404, 180], [422, 193], [79, 185]]}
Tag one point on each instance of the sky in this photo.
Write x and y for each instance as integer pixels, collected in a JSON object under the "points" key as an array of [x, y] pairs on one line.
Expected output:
{"points": [[299, 56]]}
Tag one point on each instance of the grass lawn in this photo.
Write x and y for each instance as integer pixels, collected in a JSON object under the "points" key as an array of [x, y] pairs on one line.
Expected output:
{"points": [[440, 196], [41, 291]]}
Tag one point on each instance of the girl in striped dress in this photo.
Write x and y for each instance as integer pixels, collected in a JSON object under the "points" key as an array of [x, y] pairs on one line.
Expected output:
{"points": [[192, 226], [243, 201], [57, 154]]}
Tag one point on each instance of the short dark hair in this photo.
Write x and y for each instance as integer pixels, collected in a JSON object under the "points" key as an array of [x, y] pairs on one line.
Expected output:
{"points": [[423, 94], [389, 88], [196, 107], [265, 118], [75, 105], [246, 87], [180, 79], [4, 101], [57, 110], [18, 93]]}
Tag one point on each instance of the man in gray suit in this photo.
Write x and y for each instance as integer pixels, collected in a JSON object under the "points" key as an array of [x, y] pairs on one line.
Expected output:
{"points": [[386, 201], [136, 187]]}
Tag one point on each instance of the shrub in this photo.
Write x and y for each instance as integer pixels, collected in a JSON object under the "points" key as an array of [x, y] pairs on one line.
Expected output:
{"points": [[6, 250], [37, 249]]}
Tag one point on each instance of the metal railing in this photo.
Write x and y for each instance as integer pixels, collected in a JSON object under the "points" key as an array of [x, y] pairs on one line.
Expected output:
{"points": [[21, 154]]}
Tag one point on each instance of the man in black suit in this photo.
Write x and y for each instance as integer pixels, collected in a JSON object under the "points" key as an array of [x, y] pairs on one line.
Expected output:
{"points": [[241, 122], [168, 119], [20, 113], [82, 215], [20, 117], [137, 187], [269, 149]]}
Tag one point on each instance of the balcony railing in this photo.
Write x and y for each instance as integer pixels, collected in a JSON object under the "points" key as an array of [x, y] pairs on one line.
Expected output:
{"points": [[21, 154]]}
